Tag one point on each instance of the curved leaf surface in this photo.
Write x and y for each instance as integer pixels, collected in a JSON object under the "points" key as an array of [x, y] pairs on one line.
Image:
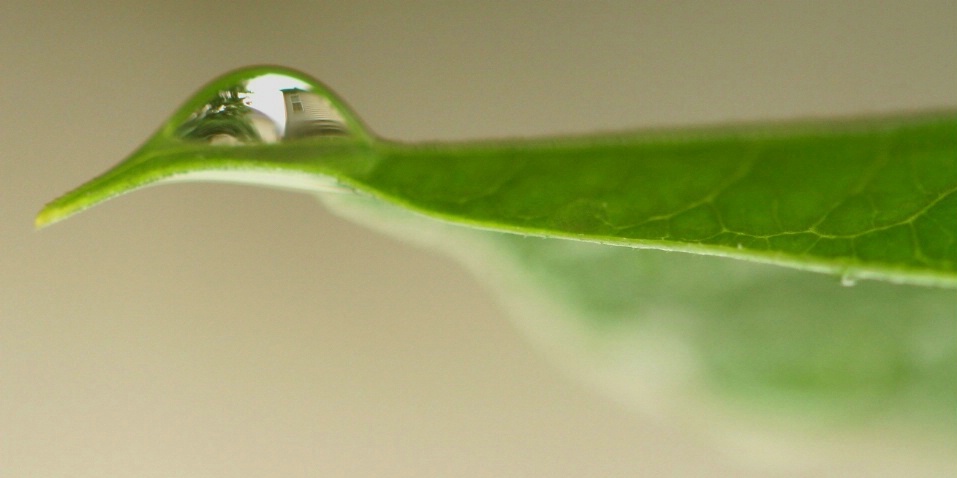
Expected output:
{"points": [[865, 198]]}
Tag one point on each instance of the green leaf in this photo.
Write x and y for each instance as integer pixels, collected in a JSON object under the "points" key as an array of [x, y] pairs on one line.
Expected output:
{"points": [[868, 198]]}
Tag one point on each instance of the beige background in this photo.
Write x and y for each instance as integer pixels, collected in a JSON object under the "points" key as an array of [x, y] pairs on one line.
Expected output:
{"points": [[213, 330]]}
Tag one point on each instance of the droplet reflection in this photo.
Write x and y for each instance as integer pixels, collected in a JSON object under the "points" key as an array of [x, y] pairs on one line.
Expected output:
{"points": [[268, 108]]}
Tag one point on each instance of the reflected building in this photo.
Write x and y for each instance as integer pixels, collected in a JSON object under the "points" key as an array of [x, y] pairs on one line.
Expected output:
{"points": [[308, 114], [236, 115]]}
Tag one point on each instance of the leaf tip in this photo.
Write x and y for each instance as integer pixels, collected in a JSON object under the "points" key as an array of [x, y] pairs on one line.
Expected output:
{"points": [[53, 212], [43, 219]]}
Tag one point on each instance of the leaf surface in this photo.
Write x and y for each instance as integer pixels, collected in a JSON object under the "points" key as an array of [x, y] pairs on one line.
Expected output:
{"points": [[865, 198]]}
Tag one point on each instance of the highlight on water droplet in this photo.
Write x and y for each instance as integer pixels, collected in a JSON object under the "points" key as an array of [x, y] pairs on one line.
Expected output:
{"points": [[264, 108]]}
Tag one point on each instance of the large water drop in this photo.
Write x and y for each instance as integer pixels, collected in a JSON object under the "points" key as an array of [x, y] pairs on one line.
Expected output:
{"points": [[264, 108]]}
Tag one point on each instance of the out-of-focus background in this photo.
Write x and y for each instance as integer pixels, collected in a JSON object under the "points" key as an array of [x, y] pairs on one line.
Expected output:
{"points": [[215, 330]]}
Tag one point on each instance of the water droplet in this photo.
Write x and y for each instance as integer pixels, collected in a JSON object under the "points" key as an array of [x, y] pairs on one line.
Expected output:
{"points": [[848, 279], [261, 106]]}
